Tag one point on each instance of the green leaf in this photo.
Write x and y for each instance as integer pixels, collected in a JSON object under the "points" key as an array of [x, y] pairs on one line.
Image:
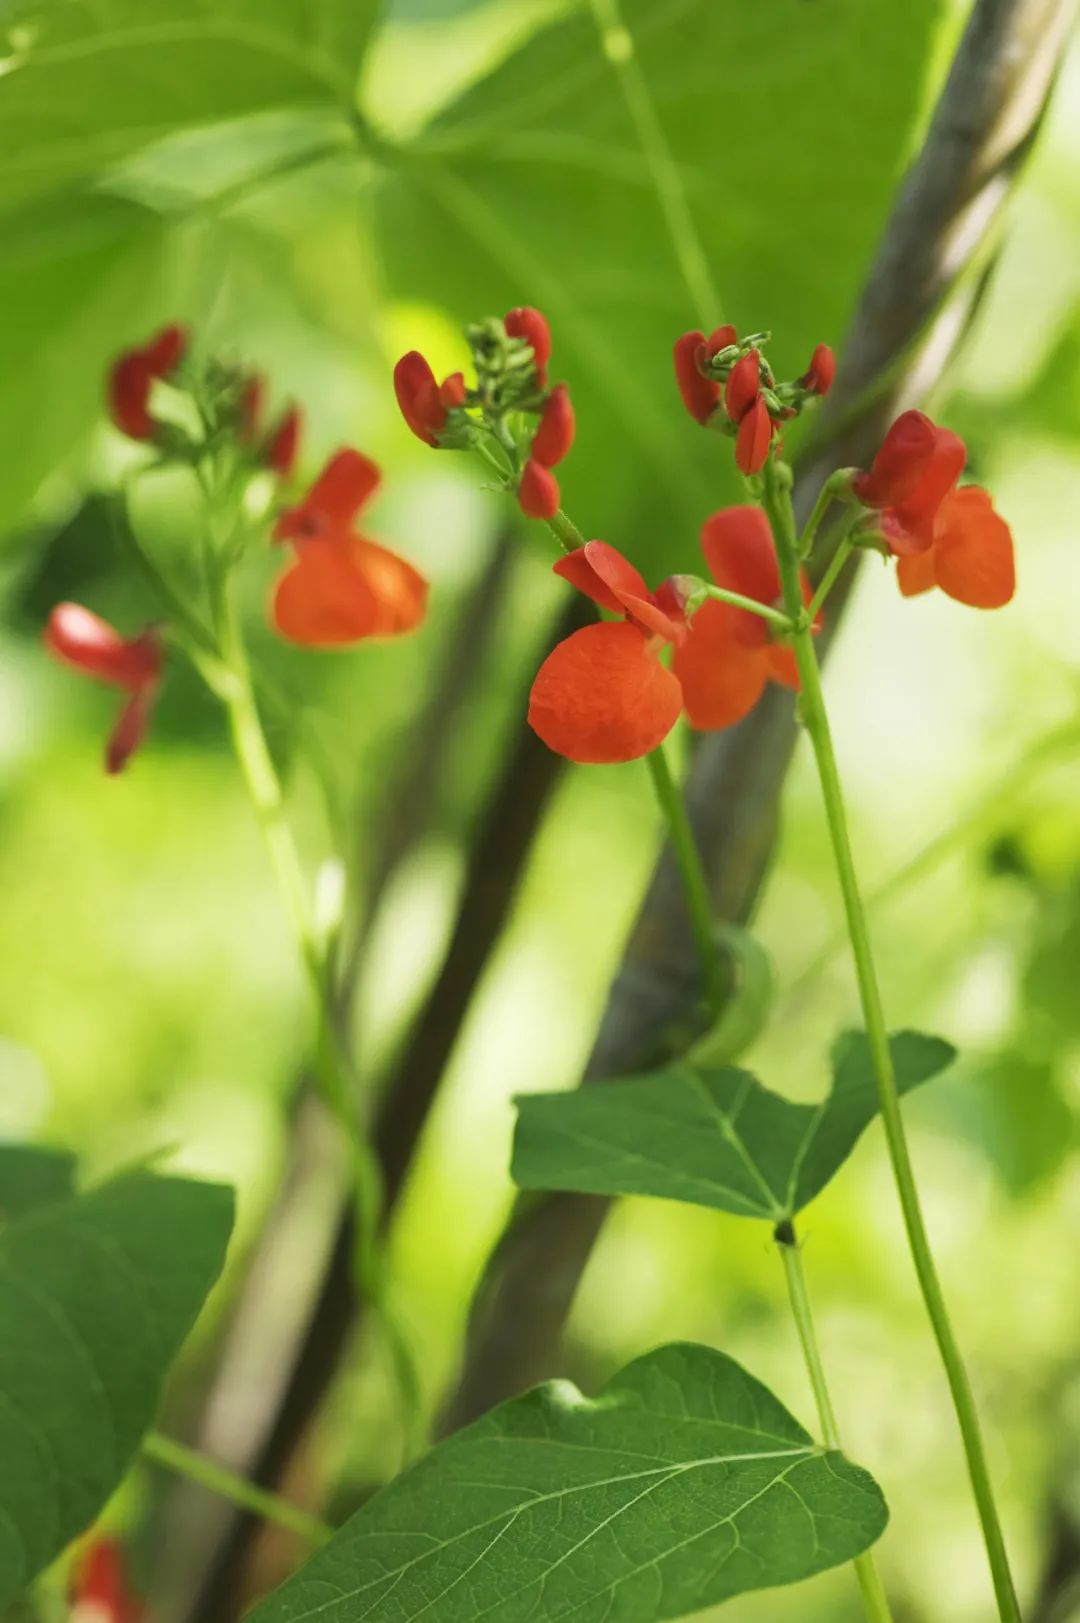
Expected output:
{"points": [[712, 1136], [684, 1483], [533, 188], [97, 1293], [31, 1176], [89, 85]]}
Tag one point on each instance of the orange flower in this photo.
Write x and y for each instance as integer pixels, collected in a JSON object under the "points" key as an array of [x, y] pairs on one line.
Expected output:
{"points": [[970, 557], [729, 656], [602, 695], [342, 587], [89, 644]]}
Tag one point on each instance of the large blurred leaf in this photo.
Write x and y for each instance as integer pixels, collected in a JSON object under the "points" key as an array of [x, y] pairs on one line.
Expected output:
{"points": [[787, 124], [32, 1176], [97, 1292], [91, 83], [712, 1136], [684, 1483]]}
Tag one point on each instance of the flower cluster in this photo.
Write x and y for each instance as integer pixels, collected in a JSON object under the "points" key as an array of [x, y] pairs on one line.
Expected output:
{"points": [[340, 586], [726, 382], [940, 532], [603, 695], [524, 426]]}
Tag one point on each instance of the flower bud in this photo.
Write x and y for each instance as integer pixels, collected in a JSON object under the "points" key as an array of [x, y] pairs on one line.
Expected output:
{"points": [[527, 323], [555, 434], [743, 385], [754, 438], [818, 377], [538, 491]]}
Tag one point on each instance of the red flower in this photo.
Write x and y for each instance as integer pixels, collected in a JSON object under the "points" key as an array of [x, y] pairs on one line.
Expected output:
{"points": [[728, 656], [970, 556], [283, 443], [425, 404], [700, 395], [602, 694], [743, 387], [900, 463], [754, 438], [527, 323], [348, 481], [342, 587], [555, 433], [818, 377], [132, 376], [538, 491], [134, 664], [100, 1592]]}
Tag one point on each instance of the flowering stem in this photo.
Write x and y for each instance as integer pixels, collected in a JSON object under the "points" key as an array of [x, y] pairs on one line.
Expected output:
{"points": [[186, 1462], [815, 719], [695, 884], [830, 577], [834, 485], [774, 616], [875, 1601], [566, 532]]}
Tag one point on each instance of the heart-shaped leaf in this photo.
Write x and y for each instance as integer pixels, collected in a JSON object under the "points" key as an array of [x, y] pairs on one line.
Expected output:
{"points": [[712, 1136], [97, 1293], [684, 1483]]}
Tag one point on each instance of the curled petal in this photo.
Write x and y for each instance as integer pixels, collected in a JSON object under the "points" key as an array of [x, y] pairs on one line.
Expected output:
{"points": [[538, 491], [283, 445], [346, 483], [915, 572], [700, 395], [129, 385], [452, 391], [603, 696], [902, 458], [909, 526], [722, 678], [754, 437], [82, 639], [341, 591], [720, 338], [738, 547], [555, 433], [130, 729], [819, 375], [418, 397], [973, 551], [525, 322], [743, 385], [602, 573]]}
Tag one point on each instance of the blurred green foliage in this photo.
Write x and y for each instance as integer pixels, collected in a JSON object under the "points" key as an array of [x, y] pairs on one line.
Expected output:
{"points": [[148, 994]]}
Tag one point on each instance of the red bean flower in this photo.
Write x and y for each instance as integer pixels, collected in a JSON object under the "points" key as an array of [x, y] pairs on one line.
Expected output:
{"points": [[529, 324], [426, 404], [133, 375], [603, 695], [729, 655], [700, 395], [941, 533], [342, 587], [100, 1590], [134, 664], [819, 375]]}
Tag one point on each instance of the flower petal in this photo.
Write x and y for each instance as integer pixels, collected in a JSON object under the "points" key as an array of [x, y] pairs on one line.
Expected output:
{"points": [[400, 591], [900, 462], [739, 550], [82, 639], [754, 438], [700, 395], [538, 491], [418, 397], [721, 676], [602, 696], [973, 551], [909, 526], [915, 572], [555, 433], [743, 385], [130, 728], [346, 483]]}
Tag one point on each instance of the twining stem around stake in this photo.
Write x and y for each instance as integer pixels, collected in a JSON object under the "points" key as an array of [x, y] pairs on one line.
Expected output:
{"points": [[186, 1462], [875, 1601], [816, 721]]}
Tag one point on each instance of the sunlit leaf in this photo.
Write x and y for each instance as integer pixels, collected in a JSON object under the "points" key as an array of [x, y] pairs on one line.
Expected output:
{"points": [[684, 1483], [97, 1293], [712, 1136]]}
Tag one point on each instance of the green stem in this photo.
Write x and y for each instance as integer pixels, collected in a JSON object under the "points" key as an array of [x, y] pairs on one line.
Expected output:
{"points": [[830, 578], [774, 617], [815, 719], [875, 1601], [185, 1462], [695, 884], [566, 532]]}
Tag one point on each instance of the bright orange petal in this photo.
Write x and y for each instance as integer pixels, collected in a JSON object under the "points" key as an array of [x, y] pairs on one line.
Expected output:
{"points": [[973, 551], [721, 677], [602, 696], [321, 601], [915, 573], [399, 590], [739, 550]]}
